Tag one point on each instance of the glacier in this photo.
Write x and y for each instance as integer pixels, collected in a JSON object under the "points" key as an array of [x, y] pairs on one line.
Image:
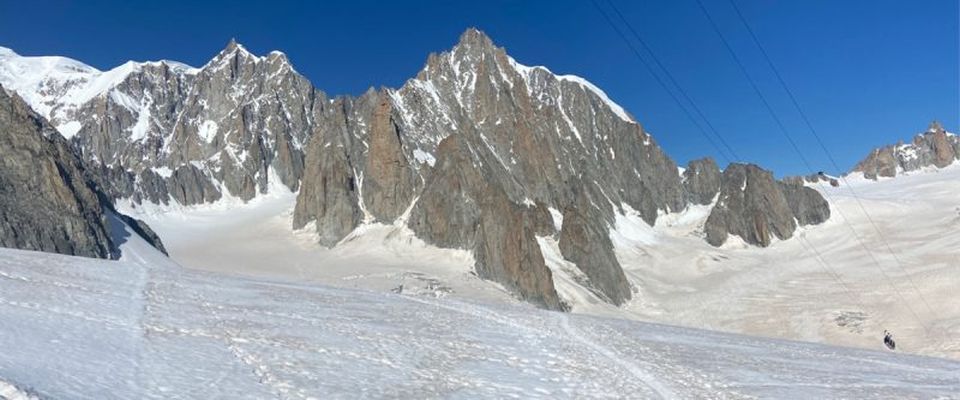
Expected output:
{"points": [[144, 327]]}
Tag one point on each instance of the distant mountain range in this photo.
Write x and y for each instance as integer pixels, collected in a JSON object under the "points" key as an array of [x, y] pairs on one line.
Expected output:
{"points": [[933, 148], [477, 151]]}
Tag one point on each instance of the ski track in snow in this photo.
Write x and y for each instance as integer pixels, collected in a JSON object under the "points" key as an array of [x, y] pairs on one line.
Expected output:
{"points": [[143, 327], [652, 382]]}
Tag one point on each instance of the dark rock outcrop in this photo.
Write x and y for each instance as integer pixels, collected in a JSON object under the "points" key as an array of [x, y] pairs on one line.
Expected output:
{"points": [[141, 228], [48, 202], [818, 178], [752, 206], [188, 185], [701, 181], [329, 193], [808, 205], [389, 179], [757, 208]]}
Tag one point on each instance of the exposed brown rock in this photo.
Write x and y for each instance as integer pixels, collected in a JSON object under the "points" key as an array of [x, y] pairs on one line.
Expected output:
{"points": [[751, 206], [388, 178], [935, 147], [459, 207], [585, 241], [329, 193]]}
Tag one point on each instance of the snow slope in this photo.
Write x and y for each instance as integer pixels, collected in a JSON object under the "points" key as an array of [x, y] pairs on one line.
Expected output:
{"points": [[781, 291], [255, 239], [143, 327]]}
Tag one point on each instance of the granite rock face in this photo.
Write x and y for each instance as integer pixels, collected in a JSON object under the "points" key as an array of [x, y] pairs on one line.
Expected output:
{"points": [[460, 207], [537, 139], [933, 148], [477, 152], [473, 152], [329, 192], [587, 244], [237, 126], [808, 205], [48, 201], [701, 181], [752, 206]]}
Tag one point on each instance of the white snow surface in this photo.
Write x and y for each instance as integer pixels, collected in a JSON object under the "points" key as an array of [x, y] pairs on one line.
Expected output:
{"points": [[70, 129], [255, 239], [525, 71], [600, 93], [143, 327], [55, 86], [557, 218], [780, 291], [207, 130], [424, 157], [783, 291]]}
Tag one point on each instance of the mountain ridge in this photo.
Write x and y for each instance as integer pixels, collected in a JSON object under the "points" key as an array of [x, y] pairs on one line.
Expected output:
{"points": [[476, 152], [934, 147]]}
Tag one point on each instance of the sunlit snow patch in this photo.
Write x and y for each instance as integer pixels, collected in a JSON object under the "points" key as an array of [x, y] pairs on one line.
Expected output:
{"points": [[424, 157], [69, 129], [207, 131]]}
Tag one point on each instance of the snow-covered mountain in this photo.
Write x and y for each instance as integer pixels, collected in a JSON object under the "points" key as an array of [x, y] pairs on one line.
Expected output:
{"points": [[56, 87], [477, 152], [934, 148], [163, 131], [822, 286], [395, 236], [150, 329]]}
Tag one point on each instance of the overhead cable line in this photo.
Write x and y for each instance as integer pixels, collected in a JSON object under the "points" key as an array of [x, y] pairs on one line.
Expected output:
{"points": [[669, 76], [831, 272], [833, 162], [803, 158], [662, 84]]}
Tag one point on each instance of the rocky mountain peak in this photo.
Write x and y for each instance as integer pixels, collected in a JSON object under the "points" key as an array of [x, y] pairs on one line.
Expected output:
{"points": [[234, 46], [278, 64], [478, 152], [933, 148], [475, 39], [233, 53], [473, 48], [935, 126], [278, 57]]}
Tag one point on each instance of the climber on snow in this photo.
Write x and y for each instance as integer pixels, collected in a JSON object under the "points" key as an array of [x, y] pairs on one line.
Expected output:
{"points": [[888, 340]]}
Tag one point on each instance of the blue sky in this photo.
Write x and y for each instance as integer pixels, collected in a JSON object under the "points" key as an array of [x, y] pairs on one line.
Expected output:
{"points": [[867, 72]]}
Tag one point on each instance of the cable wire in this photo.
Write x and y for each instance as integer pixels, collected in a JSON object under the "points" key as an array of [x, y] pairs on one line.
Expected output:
{"points": [[661, 82], [803, 158], [818, 256], [833, 162], [669, 76]]}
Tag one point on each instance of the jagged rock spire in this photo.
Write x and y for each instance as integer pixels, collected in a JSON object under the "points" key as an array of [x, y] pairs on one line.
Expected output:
{"points": [[934, 147], [935, 126], [474, 37]]}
